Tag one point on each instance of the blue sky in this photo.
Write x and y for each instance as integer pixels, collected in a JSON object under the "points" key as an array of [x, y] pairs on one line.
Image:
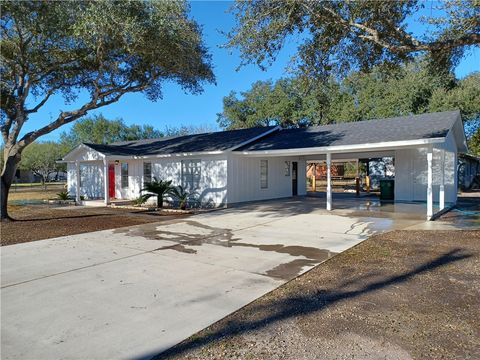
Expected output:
{"points": [[177, 108]]}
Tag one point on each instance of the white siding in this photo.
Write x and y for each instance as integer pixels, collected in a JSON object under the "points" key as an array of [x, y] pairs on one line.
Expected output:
{"points": [[71, 179], [92, 179], [212, 187], [135, 173], [244, 178], [411, 174]]}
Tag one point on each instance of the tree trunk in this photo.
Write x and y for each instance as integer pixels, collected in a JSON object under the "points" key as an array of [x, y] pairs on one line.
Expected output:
{"points": [[160, 201], [9, 168]]}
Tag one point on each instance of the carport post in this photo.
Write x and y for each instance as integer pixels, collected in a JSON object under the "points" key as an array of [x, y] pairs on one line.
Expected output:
{"points": [[329, 182], [429, 183], [441, 196], [77, 183], [105, 181]]}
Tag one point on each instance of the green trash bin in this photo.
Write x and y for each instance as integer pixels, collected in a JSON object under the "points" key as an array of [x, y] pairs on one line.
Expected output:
{"points": [[387, 189]]}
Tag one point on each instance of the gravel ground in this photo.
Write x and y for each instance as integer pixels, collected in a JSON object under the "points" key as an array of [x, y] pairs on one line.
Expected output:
{"points": [[400, 295], [39, 222]]}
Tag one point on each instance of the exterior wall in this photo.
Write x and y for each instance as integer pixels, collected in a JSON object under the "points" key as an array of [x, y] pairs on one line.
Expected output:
{"points": [[411, 174], [91, 173], [244, 178], [213, 177], [71, 179], [135, 173]]}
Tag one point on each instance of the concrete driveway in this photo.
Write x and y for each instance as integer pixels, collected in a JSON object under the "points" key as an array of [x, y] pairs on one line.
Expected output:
{"points": [[134, 292]]}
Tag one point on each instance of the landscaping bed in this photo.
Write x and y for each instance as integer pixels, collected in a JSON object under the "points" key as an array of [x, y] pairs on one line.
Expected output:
{"points": [[39, 222], [399, 295]]}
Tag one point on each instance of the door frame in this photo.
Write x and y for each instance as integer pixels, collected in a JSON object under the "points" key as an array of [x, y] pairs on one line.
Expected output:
{"points": [[294, 178], [111, 181]]}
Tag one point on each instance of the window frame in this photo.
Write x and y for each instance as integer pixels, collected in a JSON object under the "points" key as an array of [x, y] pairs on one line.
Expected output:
{"points": [[191, 174], [287, 170], [263, 174], [124, 178], [145, 181]]}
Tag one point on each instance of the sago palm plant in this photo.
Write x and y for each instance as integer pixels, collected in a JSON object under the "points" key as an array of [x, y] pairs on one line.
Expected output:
{"points": [[158, 188], [183, 196]]}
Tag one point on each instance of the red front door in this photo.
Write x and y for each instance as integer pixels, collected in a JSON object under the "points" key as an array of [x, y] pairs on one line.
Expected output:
{"points": [[111, 181]]}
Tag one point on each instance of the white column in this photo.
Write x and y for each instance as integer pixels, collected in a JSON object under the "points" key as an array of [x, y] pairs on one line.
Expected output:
{"points": [[329, 182], [77, 185], [105, 181], [429, 183], [441, 196]]}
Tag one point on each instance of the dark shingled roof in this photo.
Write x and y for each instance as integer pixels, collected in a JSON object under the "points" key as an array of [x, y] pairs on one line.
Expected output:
{"points": [[413, 127], [214, 141]]}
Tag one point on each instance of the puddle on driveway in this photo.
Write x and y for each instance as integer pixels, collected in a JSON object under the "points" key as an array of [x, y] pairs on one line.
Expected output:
{"points": [[189, 233]]}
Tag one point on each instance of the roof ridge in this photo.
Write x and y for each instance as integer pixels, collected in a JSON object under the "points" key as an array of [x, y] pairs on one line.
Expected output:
{"points": [[189, 135]]}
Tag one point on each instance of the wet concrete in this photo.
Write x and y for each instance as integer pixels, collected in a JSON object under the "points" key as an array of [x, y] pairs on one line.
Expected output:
{"points": [[200, 234]]}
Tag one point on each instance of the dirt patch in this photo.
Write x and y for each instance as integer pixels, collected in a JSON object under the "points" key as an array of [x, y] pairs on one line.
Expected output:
{"points": [[40, 222], [400, 295]]}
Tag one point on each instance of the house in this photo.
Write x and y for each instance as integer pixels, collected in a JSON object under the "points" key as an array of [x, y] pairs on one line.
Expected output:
{"points": [[266, 163], [468, 171]]}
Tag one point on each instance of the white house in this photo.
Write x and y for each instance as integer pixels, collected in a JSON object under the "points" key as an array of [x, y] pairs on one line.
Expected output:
{"points": [[266, 163]]}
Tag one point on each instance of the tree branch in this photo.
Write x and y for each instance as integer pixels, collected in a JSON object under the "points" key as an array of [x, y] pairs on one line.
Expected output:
{"points": [[41, 103], [407, 42], [98, 100]]}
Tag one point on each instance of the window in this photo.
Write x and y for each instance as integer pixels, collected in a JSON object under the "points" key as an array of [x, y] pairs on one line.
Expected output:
{"points": [[287, 168], [191, 173], [147, 173], [124, 175], [263, 174]]}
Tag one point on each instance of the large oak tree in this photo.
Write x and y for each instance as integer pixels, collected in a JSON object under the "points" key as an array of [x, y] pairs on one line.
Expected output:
{"points": [[105, 49], [339, 36]]}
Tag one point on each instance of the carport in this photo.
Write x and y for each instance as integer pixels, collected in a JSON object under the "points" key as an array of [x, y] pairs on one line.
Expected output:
{"points": [[424, 149]]}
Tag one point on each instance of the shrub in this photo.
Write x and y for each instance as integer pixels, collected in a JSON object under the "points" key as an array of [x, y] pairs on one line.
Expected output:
{"points": [[183, 196], [142, 199], [158, 188], [64, 195]]}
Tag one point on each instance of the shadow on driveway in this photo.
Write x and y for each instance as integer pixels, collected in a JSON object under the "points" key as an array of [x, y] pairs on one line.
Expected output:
{"points": [[278, 310]]}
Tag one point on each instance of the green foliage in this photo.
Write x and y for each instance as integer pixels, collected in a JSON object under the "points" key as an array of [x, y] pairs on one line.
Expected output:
{"points": [[140, 200], [341, 36], [99, 130], [465, 95], [183, 196], [158, 188], [64, 195], [41, 158], [474, 142], [266, 103], [409, 89]]}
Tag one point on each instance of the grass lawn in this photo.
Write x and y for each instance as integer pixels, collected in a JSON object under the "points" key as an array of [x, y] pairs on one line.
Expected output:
{"points": [[35, 192], [399, 295]]}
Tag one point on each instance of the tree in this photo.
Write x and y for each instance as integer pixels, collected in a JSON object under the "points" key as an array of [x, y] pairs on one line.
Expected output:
{"points": [[340, 36], [409, 89], [474, 142], [464, 95], [267, 103], [41, 158], [102, 49], [99, 130]]}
